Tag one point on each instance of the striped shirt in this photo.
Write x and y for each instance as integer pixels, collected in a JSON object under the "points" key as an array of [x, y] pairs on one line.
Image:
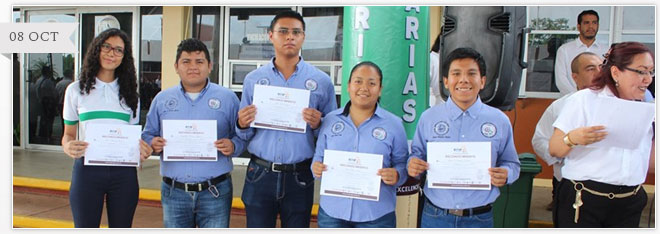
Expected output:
{"points": [[101, 105]]}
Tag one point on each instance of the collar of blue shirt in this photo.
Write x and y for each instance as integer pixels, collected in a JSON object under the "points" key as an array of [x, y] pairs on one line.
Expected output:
{"points": [[380, 112], [201, 93], [271, 65], [455, 111]]}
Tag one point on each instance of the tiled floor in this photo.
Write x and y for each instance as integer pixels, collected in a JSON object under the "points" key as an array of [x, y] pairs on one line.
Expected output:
{"points": [[48, 204]]}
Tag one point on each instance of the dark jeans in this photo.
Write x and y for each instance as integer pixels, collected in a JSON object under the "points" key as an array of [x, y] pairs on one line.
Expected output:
{"points": [[435, 217], [267, 194], [90, 185], [597, 211], [183, 209]]}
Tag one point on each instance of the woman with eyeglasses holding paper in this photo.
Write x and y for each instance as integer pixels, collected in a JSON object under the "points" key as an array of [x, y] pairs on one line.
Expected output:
{"points": [[362, 126], [602, 177], [106, 93]]}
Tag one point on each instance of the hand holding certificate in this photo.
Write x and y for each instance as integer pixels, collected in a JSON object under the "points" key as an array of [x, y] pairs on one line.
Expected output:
{"points": [[280, 108], [113, 145], [458, 165], [351, 175], [190, 140]]}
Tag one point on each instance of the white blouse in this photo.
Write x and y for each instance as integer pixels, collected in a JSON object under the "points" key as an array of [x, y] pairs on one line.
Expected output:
{"points": [[611, 165]]}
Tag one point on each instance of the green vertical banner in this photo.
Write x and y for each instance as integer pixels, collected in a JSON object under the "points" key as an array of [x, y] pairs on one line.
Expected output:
{"points": [[396, 39]]}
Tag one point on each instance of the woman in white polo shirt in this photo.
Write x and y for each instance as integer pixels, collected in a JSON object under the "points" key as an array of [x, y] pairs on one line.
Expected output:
{"points": [[106, 92], [602, 183]]}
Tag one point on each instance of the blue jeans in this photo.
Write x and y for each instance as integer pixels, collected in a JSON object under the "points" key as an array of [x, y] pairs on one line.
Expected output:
{"points": [[90, 185], [327, 221], [434, 217], [267, 194], [183, 209]]}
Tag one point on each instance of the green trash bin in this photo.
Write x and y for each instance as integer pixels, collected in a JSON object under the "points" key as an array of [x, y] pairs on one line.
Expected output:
{"points": [[511, 209]]}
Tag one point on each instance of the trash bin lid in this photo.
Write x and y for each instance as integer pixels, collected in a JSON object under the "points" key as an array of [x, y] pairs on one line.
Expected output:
{"points": [[528, 163]]}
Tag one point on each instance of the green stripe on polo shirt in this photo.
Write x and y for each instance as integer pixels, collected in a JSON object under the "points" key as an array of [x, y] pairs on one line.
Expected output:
{"points": [[70, 122], [104, 115]]}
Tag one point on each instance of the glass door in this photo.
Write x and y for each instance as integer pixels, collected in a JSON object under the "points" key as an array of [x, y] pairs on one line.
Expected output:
{"points": [[46, 76]]}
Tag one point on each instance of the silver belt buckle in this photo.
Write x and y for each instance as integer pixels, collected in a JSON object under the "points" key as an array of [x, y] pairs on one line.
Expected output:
{"points": [[455, 212], [199, 188], [272, 167]]}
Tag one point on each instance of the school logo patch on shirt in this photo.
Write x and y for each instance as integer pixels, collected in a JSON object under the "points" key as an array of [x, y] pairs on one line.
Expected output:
{"points": [[379, 133], [214, 103], [488, 129], [263, 81], [171, 104], [441, 128], [337, 127], [311, 85]]}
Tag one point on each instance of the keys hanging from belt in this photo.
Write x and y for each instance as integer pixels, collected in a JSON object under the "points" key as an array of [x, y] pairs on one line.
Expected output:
{"points": [[578, 199]]}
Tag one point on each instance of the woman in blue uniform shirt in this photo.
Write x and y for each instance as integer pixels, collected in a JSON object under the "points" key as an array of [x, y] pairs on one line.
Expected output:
{"points": [[363, 126]]}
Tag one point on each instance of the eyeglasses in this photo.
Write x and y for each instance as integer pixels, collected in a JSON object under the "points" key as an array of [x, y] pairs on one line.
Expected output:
{"points": [[640, 72], [105, 47], [285, 31]]}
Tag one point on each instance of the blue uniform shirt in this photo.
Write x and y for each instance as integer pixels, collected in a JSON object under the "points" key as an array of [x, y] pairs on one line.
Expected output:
{"points": [[448, 123], [382, 133], [213, 103], [280, 146]]}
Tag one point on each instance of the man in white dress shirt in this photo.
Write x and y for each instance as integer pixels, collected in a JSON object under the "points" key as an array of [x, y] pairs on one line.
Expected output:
{"points": [[584, 68], [587, 25]]}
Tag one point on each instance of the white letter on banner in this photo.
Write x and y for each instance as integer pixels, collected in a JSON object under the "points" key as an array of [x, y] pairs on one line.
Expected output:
{"points": [[411, 55], [411, 27], [360, 45], [408, 8], [411, 84], [409, 109], [361, 17]]}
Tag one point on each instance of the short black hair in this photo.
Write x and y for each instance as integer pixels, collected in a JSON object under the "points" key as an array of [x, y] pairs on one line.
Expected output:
{"points": [[47, 71], [368, 64], [286, 14], [191, 45], [461, 53], [587, 12]]}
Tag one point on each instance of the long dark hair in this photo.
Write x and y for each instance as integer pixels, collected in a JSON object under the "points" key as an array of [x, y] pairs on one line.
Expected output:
{"points": [[620, 55], [125, 73]]}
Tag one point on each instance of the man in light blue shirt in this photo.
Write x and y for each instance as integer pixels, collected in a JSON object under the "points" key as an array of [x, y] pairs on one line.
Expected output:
{"points": [[464, 118], [196, 193], [278, 178]]}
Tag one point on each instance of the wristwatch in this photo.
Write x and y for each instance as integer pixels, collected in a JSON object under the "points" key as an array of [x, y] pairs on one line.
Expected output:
{"points": [[568, 141]]}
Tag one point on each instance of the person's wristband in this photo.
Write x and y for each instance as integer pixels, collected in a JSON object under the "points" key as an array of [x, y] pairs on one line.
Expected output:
{"points": [[568, 141]]}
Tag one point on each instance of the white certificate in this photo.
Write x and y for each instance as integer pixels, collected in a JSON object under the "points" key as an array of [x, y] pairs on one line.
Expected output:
{"points": [[351, 175], [458, 165], [280, 108], [190, 140], [626, 122], [113, 145]]}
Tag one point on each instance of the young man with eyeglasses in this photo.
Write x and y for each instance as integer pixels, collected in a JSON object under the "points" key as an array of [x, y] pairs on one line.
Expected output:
{"points": [[278, 178]]}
